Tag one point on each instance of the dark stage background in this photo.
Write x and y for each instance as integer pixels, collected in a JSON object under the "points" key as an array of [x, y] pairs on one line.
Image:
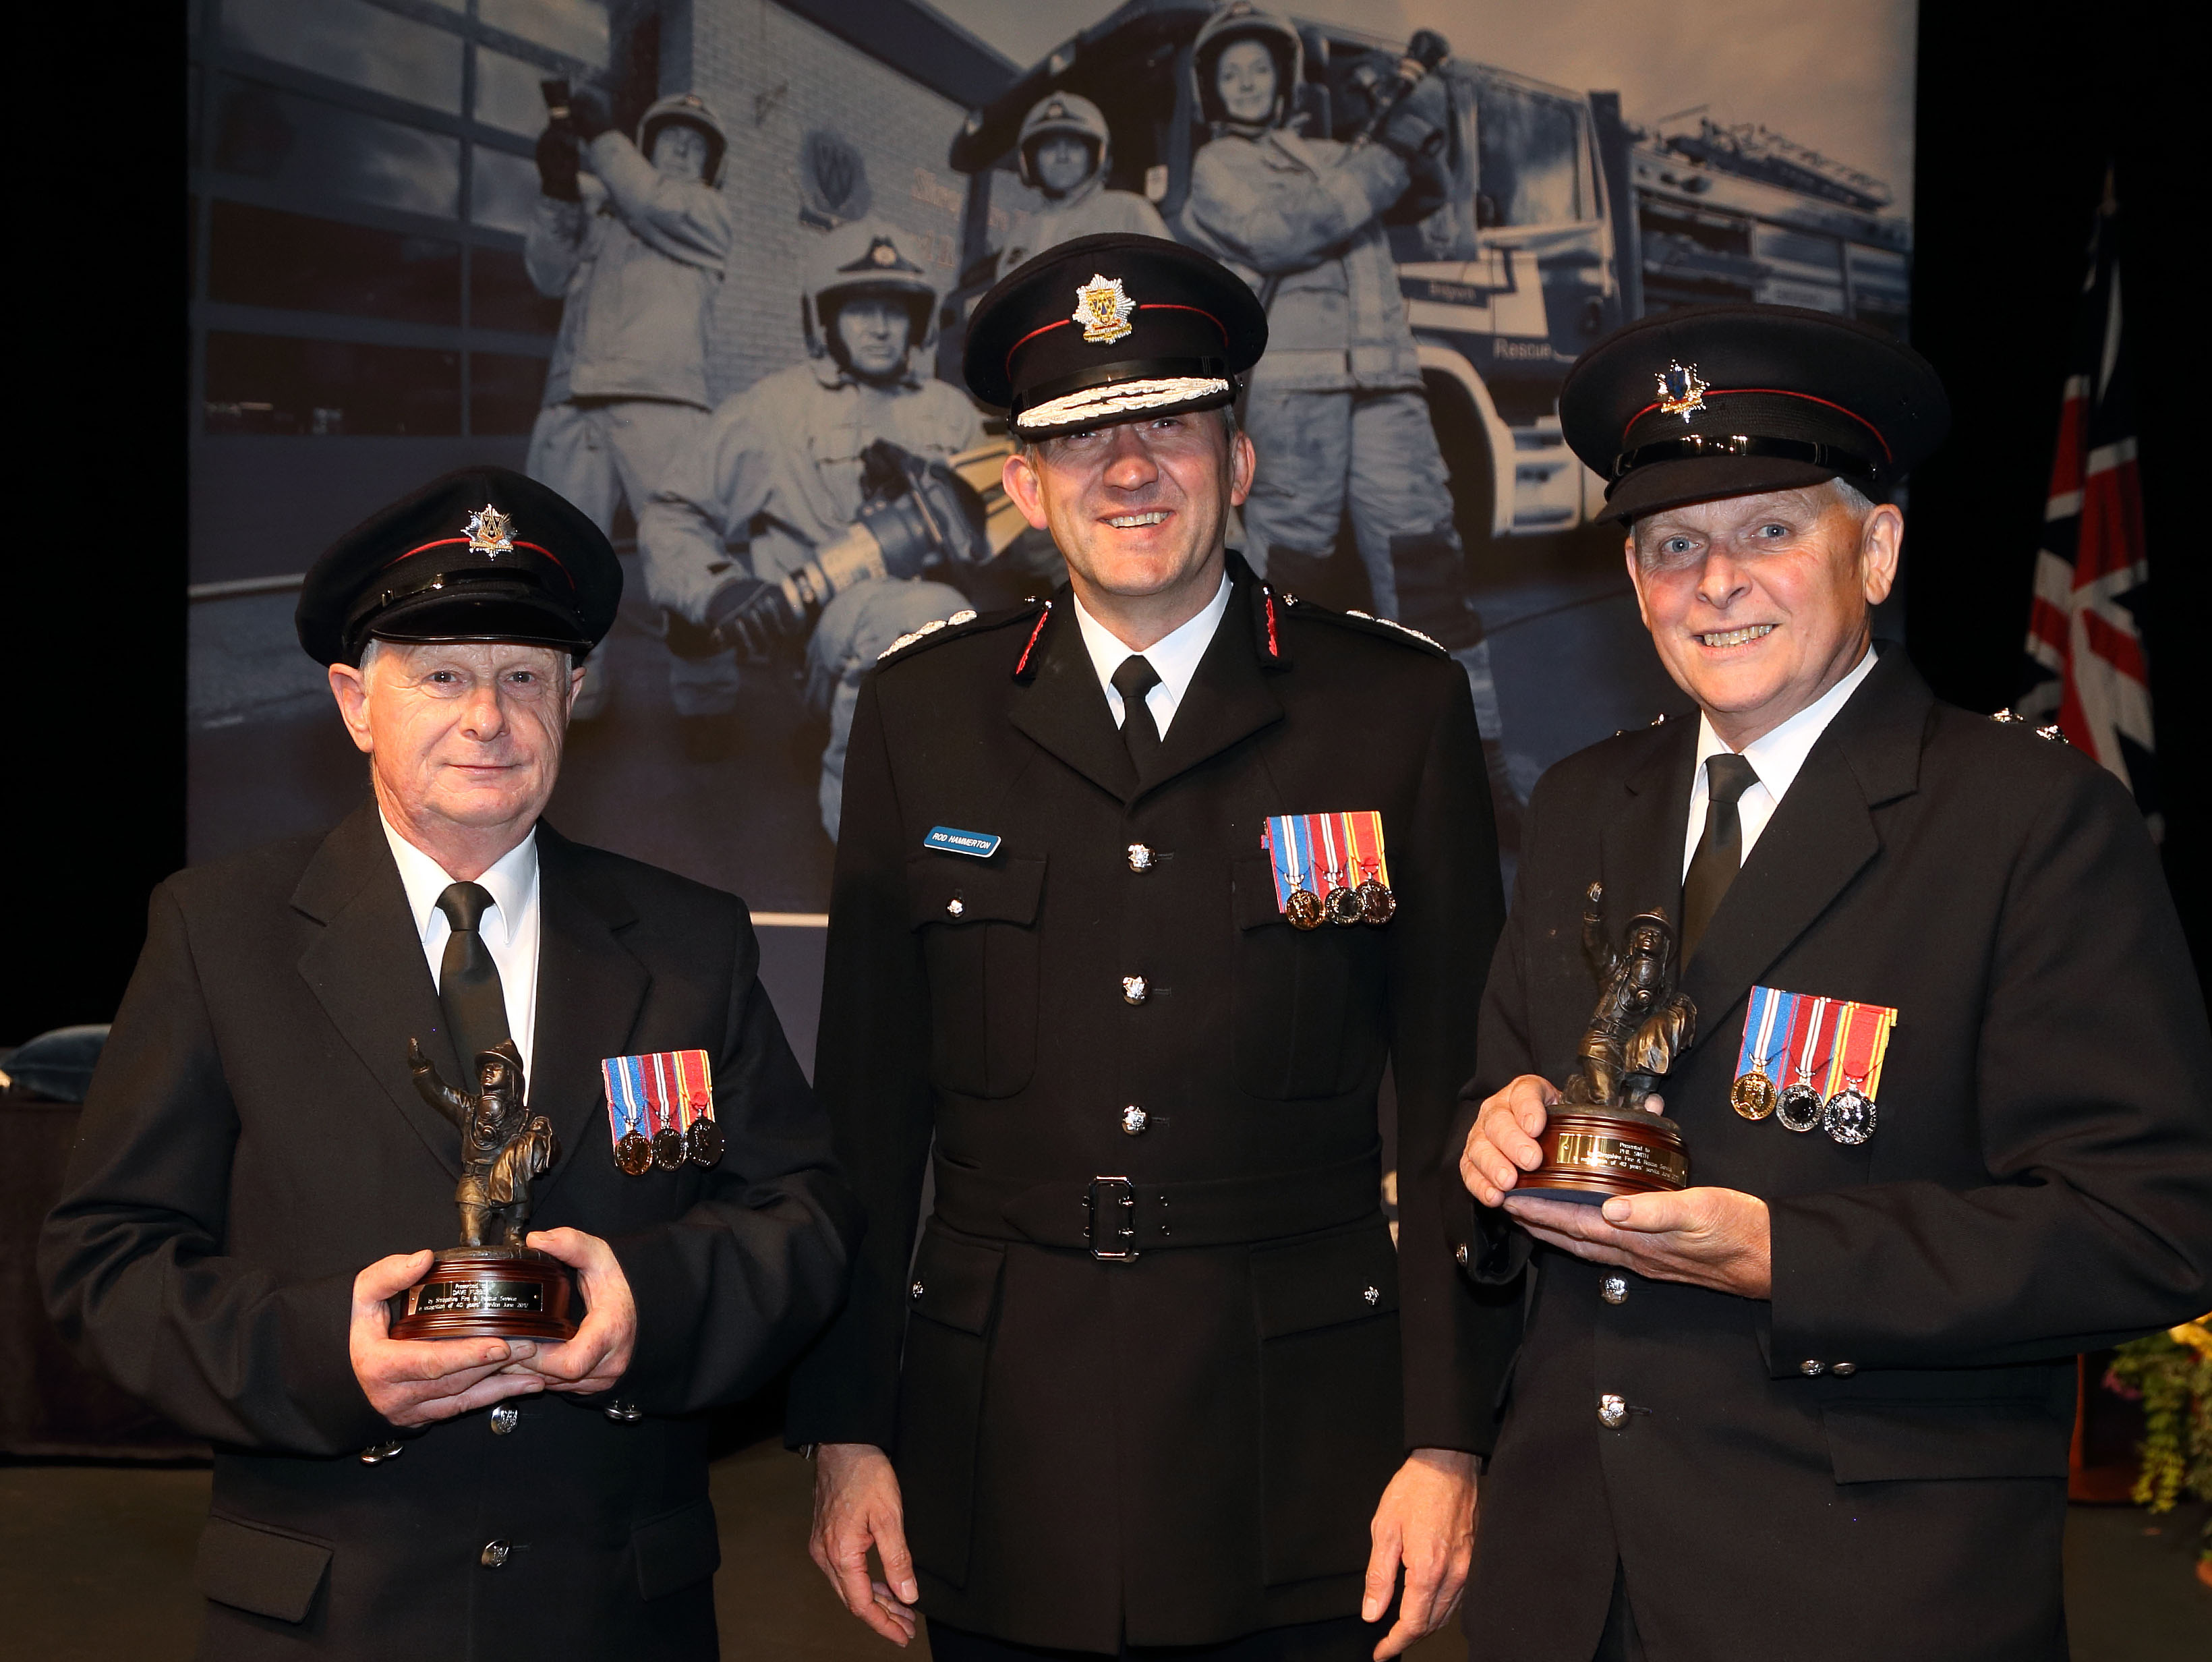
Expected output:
{"points": [[2019, 111]]}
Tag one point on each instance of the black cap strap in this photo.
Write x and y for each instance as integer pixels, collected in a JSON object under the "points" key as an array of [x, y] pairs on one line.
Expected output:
{"points": [[1741, 444]]}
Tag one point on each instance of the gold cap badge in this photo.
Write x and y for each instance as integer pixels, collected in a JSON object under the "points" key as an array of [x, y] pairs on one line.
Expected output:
{"points": [[1681, 392], [491, 532], [1103, 310]]}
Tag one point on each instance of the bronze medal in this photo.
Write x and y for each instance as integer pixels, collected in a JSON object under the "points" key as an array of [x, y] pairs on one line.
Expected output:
{"points": [[633, 1154], [1800, 1109], [1343, 908], [705, 1138], [1304, 909], [669, 1152], [1753, 1095], [1378, 905]]}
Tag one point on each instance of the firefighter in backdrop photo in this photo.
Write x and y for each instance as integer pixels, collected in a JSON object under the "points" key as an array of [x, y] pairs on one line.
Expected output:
{"points": [[635, 249], [1065, 154], [1335, 408], [817, 505]]}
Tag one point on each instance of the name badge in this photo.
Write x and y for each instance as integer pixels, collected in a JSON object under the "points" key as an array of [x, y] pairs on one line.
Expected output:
{"points": [[977, 845]]}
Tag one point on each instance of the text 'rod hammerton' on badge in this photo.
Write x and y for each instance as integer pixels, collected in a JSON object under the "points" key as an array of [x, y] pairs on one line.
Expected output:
{"points": [[977, 845]]}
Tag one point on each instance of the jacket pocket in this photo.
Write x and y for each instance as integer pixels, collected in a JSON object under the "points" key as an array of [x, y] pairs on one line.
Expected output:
{"points": [[251, 1566], [677, 1550], [1306, 1002], [1910, 1441], [1331, 1400], [953, 1301], [978, 924]]}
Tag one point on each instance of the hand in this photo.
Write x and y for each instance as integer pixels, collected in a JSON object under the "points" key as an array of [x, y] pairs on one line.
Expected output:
{"points": [[418, 1382], [1503, 1143], [857, 1506], [1711, 1238], [750, 616], [1415, 126], [599, 1354], [559, 160], [1427, 1522]]}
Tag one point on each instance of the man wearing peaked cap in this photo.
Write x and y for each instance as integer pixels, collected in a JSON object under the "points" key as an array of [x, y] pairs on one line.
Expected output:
{"points": [[1139, 888], [257, 1172], [1947, 1098]]}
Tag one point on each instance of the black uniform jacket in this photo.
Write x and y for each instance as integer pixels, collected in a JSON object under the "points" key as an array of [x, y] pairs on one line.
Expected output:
{"points": [[253, 1139], [1190, 1446], [1873, 1463]]}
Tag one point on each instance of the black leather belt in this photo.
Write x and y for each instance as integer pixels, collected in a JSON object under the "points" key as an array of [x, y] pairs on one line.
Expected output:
{"points": [[1114, 1218]]}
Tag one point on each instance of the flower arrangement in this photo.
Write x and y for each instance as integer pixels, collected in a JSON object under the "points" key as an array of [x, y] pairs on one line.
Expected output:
{"points": [[2170, 1372]]}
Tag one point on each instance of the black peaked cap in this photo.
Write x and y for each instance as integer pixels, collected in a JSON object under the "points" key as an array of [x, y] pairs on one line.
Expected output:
{"points": [[482, 554], [1732, 400], [1060, 348]]}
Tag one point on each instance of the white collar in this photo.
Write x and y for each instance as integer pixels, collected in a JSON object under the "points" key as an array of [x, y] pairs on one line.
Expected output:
{"points": [[1174, 657], [1777, 756], [509, 881]]}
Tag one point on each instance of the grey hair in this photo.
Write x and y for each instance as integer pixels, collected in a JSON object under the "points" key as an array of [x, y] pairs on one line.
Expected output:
{"points": [[1853, 500], [1026, 447]]}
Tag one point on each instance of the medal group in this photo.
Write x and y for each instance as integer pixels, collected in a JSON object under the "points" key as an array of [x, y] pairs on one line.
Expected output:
{"points": [[1330, 867], [660, 1112], [1811, 1062]]}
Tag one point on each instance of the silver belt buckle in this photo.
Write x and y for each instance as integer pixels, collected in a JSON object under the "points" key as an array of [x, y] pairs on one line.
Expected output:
{"points": [[1111, 1205]]}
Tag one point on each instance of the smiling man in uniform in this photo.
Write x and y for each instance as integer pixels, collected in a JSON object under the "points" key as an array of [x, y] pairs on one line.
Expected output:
{"points": [[1156, 1378], [1946, 1102]]}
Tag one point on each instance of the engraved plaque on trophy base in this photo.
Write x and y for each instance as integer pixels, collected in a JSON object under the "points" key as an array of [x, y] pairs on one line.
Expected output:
{"points": [[489, 1293], [1592, 1153]]}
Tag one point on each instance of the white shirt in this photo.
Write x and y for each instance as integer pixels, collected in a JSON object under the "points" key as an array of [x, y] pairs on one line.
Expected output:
{"points": [[509, 925], [1174, 658], [1775, 756]]}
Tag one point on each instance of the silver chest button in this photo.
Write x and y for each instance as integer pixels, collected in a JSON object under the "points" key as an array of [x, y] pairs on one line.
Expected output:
{"points": [[954, 907], [1135, 990], [1612, 1411], [494, 1554], [916, 1289], [1140, 857], [1844, 1370], [1614, 1290], [1134, 1120], [1808, 1367], [377, 1453], [504, 1418], [1373, 1295], [1460, 1255]]}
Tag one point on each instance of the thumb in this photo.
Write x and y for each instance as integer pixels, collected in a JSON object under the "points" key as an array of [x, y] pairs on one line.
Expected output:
{"points": [[389, 1275], [1647, 1213]]}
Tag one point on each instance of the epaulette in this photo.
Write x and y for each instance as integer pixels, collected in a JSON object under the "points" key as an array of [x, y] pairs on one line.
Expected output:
{"points": [[2009, 717], [966, 622], [1365, 622]]}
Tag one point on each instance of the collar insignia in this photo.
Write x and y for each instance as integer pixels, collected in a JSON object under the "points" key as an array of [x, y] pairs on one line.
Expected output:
{"points": [[1681, 392], [1103, 310], [491, 532]]}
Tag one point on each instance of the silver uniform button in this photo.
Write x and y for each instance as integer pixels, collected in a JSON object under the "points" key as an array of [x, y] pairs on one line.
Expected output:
{"points": [[1611, 1411], [1808, 1367], [1373, 1295], [1460, 1255], [504, 1418], [377, 1453], [1614, 1290], [1134, 1120], [1844, 1370], [954, 906], [494, 1554], [625, 1413], [916, 1289], [1135, 990], [1140, 857]]}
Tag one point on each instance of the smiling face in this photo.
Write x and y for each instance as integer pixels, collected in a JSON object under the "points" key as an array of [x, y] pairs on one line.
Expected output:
{"points": [[874, 331], [464, 741], [1061, 162], [679, 151], [1140, 511], [1757, 605], [1244, 77]]}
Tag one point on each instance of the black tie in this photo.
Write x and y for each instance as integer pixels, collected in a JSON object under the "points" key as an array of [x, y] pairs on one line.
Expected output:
{"points": [[1720, 850], [468, 983], [1133, 681]]}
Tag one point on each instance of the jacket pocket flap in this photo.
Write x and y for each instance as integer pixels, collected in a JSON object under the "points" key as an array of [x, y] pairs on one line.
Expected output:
{"points": [[676, 1549], [1252, 877], [956, 1283], [951, 888], [1885, 1442], [1321, 1283], [250, 1567]]}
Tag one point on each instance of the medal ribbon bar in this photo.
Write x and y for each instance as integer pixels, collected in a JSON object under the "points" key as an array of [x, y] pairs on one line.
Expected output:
{"points": [[625, 1095], [1320, 852], [1864, 1039]]}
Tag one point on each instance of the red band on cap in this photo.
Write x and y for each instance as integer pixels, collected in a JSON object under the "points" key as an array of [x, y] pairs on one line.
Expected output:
{"points": [[464, 541], [1772, 393], [1146, 306]]}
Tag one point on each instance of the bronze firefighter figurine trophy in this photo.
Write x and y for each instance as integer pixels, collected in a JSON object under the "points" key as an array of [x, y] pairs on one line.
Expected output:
{"points": [[491, 1286], [1601, 1139]]}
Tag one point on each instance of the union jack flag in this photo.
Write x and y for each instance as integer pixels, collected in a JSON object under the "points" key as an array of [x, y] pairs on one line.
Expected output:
{"points": [[2087, 670]]}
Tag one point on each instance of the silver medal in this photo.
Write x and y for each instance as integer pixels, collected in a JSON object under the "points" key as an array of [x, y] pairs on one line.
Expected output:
{"points": [[1849, 1116], [1800, 1109]]}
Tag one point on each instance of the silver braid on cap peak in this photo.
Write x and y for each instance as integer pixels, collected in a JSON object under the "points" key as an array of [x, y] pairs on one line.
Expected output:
{"points": [[1117, 399]]}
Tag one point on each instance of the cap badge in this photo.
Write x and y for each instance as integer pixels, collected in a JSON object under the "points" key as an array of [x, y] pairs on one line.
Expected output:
{"points": [[491, 532], [1103, 310], [882, 252], [1681, 392]]}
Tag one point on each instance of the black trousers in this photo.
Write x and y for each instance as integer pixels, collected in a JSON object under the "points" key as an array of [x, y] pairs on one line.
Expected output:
{"points": [[1347, 1639]]}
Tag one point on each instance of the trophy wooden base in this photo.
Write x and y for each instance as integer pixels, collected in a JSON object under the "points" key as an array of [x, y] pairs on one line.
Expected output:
{"points": [[1591, 1154], [489, 1293]]}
